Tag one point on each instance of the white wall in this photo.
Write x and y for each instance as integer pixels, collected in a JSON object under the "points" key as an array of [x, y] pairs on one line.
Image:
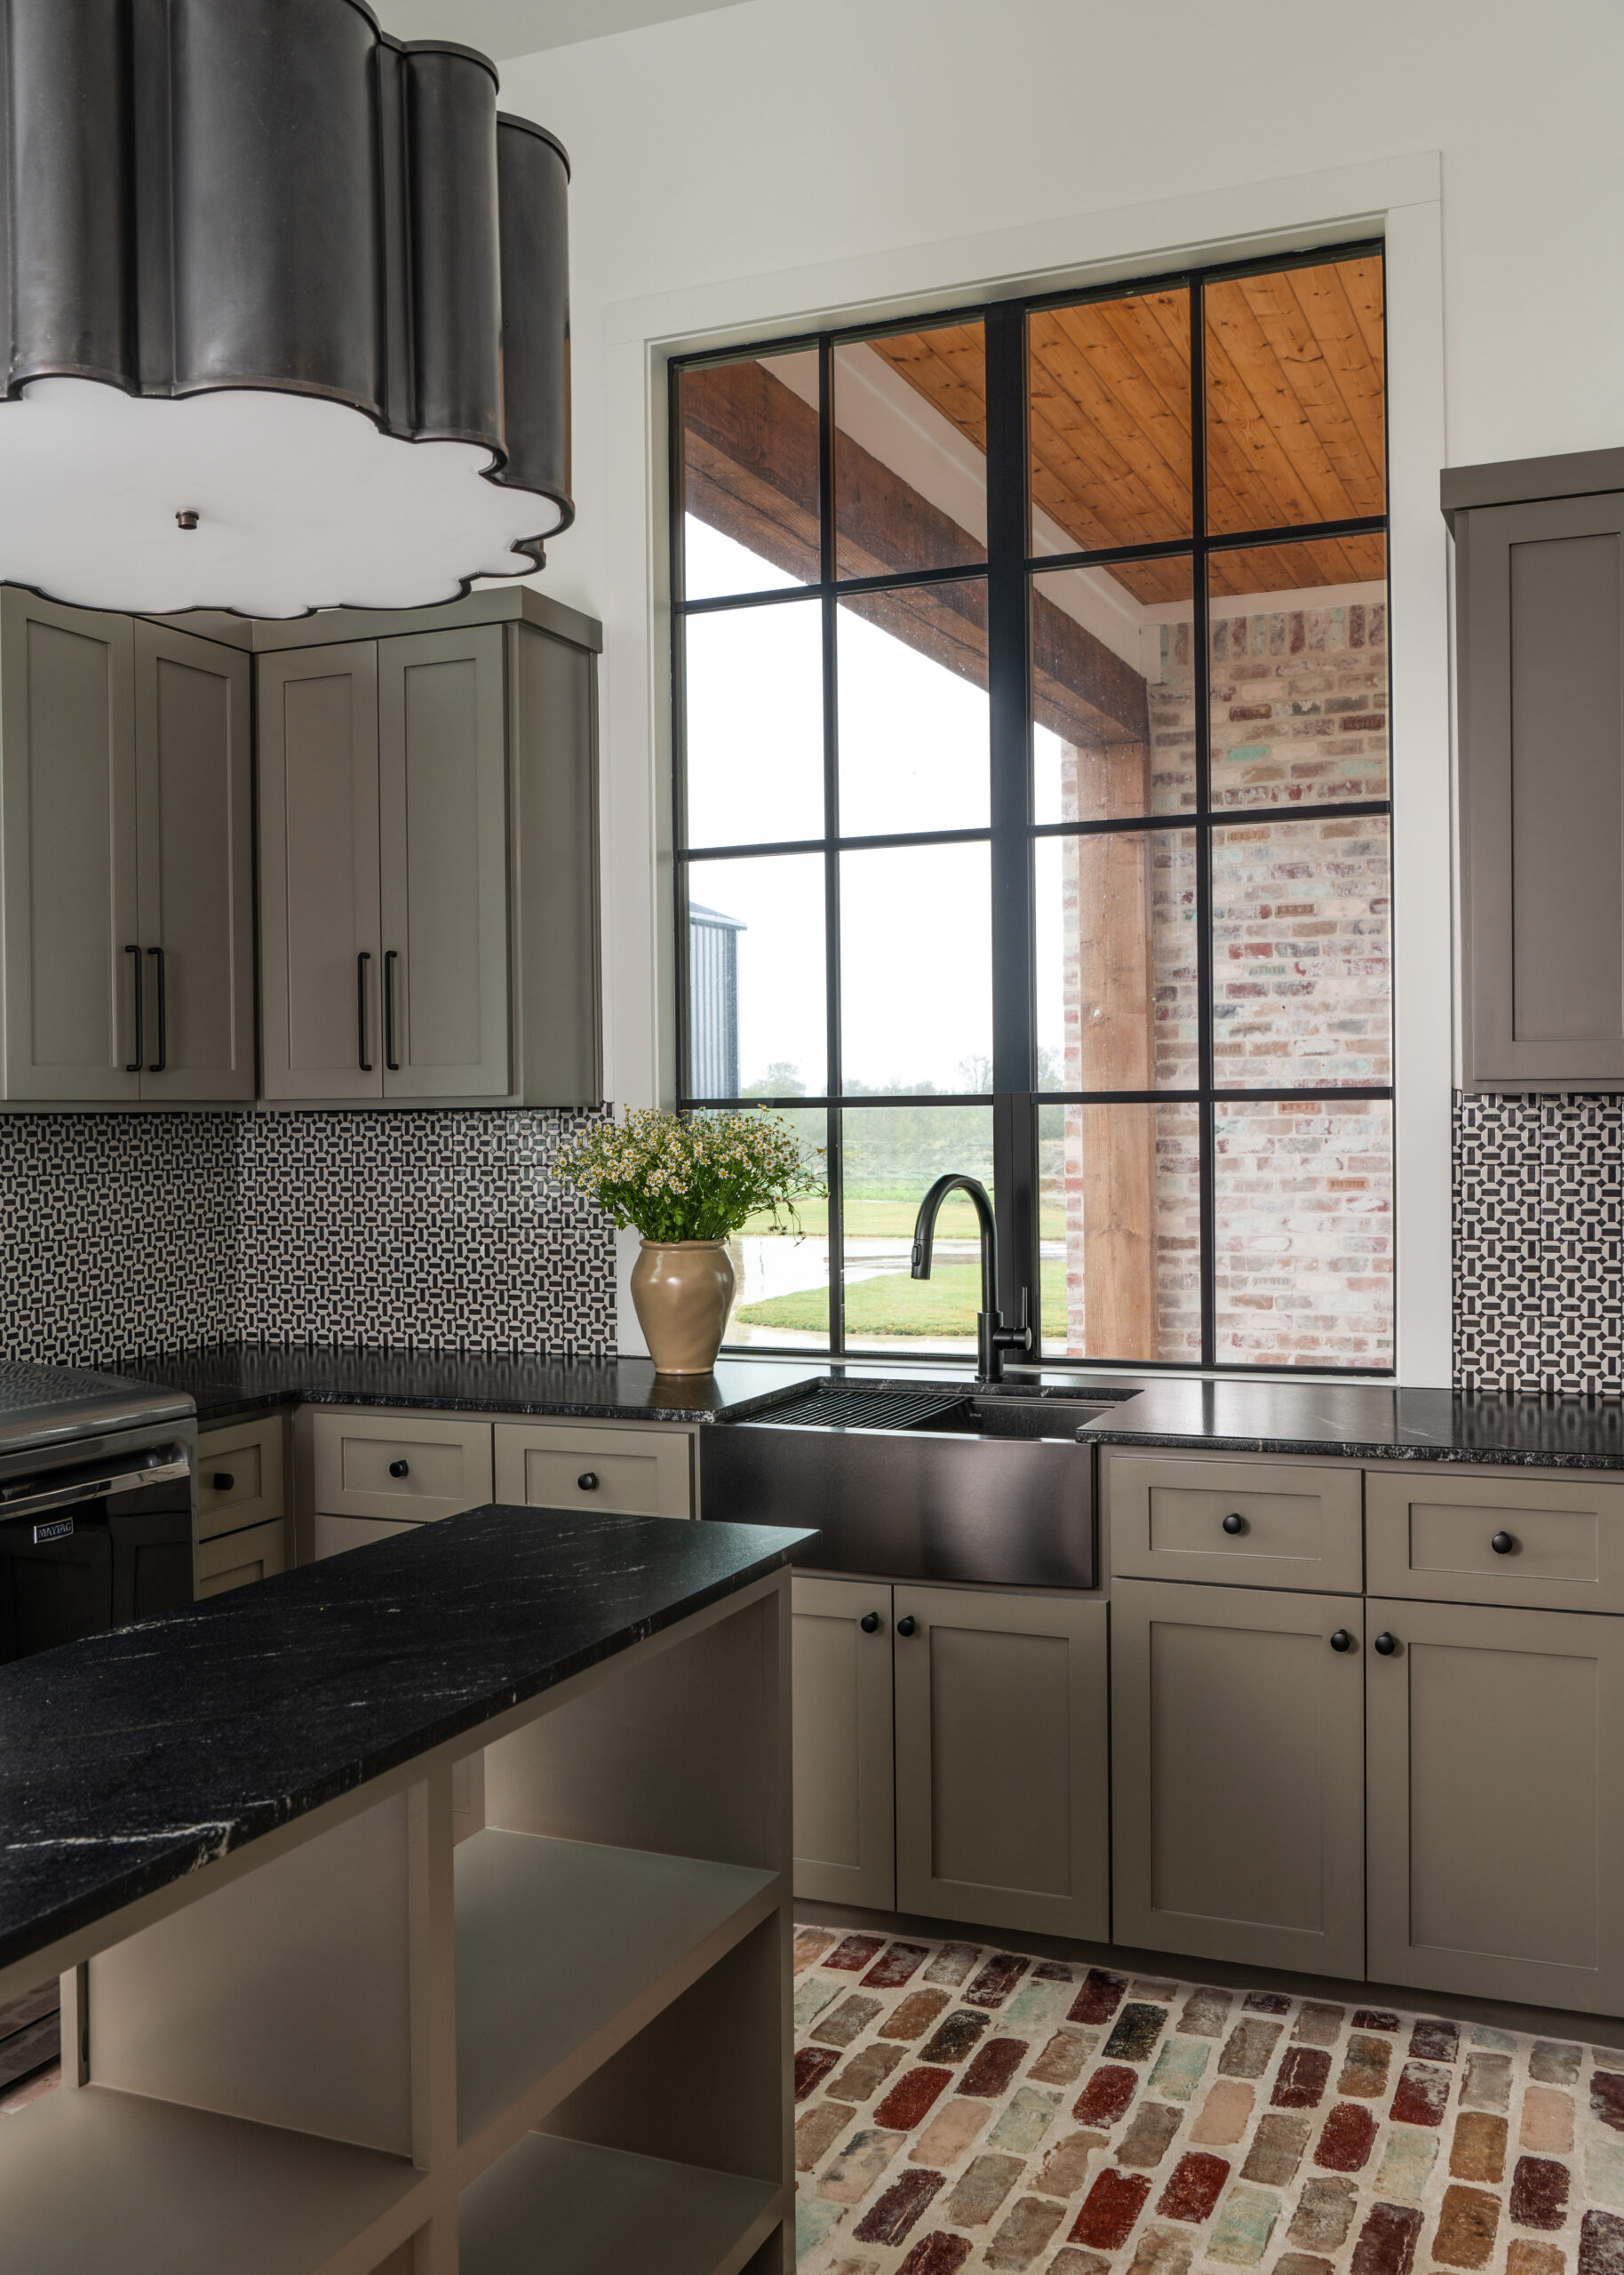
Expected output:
{"points": [[762, 137], [748, 169]]}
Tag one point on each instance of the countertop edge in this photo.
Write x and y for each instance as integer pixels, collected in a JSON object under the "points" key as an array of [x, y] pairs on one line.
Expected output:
{"points": [[1356, 1449]]}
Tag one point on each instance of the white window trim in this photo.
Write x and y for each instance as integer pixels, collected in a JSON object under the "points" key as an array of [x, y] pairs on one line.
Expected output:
{"points": [[1399, 199]]}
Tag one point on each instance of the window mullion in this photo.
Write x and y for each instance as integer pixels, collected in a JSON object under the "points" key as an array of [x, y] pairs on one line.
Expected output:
{"points": [[1201, 658], [1010, 706], [834, 1156]]}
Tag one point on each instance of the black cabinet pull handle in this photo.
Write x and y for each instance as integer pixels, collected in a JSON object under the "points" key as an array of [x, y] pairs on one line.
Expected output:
{"points": [[222, 1481], [588, 1480], [1234, 1522], [391, 956], [1503, 1543], [134, 1065], [399, 1469], [906, 1626], [1387, 1644], [1341, 1640], [161, 1060], [869, 1623], [361, 961]]}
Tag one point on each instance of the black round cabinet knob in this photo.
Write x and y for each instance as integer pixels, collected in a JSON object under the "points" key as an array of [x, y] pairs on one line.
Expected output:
{"points": [[1235, 1523], [222, 1481], [1341, 1640], [906, 1626], [869, 1623], [1503, 1543], [588, 1480], [399, 1469], [1387, 1644]]}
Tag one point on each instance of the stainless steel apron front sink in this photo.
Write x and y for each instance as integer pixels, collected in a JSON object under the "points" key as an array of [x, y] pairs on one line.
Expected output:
{"points": [[918, 1482]]}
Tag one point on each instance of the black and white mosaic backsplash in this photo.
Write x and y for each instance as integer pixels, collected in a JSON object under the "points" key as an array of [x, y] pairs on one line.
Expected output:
{"points": [[424, 1229], [118, 1234], [131, 1232], [1539, 1243]]}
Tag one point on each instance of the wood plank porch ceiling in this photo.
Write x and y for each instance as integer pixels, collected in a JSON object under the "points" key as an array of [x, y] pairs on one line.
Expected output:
{"points": [[1295, 420]]}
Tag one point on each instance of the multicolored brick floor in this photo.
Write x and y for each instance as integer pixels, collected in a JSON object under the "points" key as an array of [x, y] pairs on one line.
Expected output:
{"points": [[962, 2107]]}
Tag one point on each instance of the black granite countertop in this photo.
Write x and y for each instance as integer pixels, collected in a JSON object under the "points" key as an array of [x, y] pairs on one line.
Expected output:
{"points": [[129, 1760], [1361, 1421], [1366, 1422], [242, 1377]]}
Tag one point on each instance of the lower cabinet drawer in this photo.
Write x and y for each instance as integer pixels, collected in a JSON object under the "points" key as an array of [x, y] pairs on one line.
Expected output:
{"points": [[1546, 1544], [1259, 1524], [334, 1535], [233, 1559], [239, 1476], [630, 1473], [394, 1466]]}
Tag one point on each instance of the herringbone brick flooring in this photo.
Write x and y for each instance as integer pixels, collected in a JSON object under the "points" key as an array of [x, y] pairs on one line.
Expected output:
{"points": [[962, 2107]]}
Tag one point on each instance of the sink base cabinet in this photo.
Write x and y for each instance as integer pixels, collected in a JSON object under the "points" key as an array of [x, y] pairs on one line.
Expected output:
{"points": [[1496, 1768], [845, 1824], [1240, 1803], [1002, 1775], [952, 1759]]}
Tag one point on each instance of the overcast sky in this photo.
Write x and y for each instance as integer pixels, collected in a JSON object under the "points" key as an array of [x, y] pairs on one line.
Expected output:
{"points": [[913, 755]]}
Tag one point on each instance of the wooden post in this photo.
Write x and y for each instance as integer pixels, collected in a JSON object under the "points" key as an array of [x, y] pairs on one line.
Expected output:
{"points": [[1110, 1010]]}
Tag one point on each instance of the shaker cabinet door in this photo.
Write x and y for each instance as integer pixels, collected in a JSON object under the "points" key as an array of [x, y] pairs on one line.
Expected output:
{"points": [[443, 780], [195, 834], [841, 1721], [1001, 1768], [320, 963], [1238, 1775], [1540, 587], [1496, 1764], [68, 875]]}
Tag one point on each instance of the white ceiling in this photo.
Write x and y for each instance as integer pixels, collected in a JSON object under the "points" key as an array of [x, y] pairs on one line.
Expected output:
{"points": [[505, 28]]}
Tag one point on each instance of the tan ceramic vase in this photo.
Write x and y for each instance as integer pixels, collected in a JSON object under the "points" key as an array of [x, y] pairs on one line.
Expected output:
{"points": [[682, 1290]]}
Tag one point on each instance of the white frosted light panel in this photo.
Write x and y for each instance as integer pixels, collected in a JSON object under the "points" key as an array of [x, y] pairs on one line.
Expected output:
{"points": [[301, 503]]}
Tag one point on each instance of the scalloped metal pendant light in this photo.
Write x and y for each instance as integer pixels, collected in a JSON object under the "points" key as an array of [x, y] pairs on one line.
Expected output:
{"points": [[288, 311]]}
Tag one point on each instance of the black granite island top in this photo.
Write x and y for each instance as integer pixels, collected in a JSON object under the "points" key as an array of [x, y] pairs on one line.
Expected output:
{"points": [[241, 1378], [1367, 1422], [129, 1760]]}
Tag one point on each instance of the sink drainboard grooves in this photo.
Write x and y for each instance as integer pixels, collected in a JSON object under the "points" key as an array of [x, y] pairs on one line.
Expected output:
{"points": [[860, 1410]]}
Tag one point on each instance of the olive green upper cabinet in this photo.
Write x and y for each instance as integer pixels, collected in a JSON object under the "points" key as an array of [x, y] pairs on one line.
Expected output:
{"points": [[319, 957], [126, 866], [428, 861], [195, 863], [1539, 592]]}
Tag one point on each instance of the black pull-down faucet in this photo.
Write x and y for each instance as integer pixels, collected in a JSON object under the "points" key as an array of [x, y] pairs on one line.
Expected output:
{"points": [[992, 1337]]}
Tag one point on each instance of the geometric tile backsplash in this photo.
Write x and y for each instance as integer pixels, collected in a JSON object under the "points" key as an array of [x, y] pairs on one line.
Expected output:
{"points": [[129, 1233], [1539, 1243]]}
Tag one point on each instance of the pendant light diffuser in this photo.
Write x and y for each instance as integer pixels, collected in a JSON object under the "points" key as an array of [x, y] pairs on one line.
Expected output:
{"points": [[288, 311]]}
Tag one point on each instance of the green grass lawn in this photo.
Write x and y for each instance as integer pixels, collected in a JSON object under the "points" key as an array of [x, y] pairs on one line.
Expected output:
{"points": [[894, 1304]]}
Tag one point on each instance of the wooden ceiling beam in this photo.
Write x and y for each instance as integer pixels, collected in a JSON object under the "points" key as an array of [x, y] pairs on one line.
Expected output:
{"points": [[750, 459]]}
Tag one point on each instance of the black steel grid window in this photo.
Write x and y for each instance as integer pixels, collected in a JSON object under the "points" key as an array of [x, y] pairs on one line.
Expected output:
{"points": [[1106, 544]]}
